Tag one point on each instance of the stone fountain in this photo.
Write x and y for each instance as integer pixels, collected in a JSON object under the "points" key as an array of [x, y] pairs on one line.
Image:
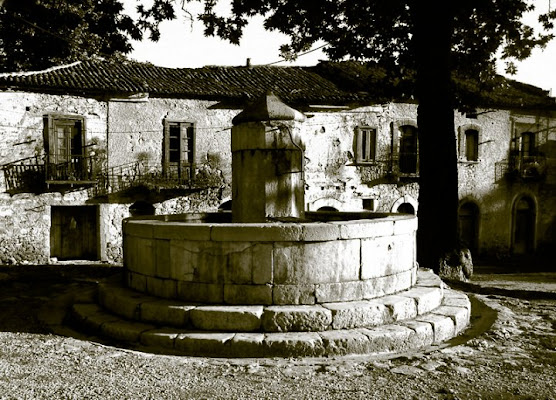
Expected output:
{"points": [[270, 279]]}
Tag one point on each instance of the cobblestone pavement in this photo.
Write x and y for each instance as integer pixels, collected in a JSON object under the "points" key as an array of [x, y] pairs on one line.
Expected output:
{"points": [[514, 358]]}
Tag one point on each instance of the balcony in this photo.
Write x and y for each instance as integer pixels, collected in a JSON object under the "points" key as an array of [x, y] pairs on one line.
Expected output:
{"points": [[33, 175], [25, 176], [527, 168], [142, 174]]}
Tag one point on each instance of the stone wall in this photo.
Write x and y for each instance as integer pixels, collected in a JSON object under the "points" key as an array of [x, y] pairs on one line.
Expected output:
{"points": [[273, 263]]}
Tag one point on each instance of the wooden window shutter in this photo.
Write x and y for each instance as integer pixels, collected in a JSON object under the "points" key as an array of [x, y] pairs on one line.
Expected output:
{"points": [[49, 137], [184, 143], [395, 142], [166, 147], [358, 144]]}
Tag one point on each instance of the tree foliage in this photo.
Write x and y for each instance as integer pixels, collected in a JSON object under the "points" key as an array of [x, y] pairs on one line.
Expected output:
{"points": [[36, 34]]}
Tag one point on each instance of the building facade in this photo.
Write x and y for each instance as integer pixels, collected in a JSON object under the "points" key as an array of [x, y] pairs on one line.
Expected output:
{"points": [[87, 145]]}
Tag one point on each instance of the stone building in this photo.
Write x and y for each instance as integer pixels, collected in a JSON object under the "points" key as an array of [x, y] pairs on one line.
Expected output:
{"points": [[85, 145]]}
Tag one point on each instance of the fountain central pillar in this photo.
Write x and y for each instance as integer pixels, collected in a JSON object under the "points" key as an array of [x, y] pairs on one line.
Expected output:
{"points": [[267, 162]]}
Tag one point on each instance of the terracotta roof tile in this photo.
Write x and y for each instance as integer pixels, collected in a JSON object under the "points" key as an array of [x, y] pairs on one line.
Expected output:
{"points": [[327, 83], [111, 78]]}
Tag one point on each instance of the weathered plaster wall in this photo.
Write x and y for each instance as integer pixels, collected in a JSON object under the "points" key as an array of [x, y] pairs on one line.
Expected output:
{"points": [[333, 177], [493, 193], [21, 123], [25, 218]]}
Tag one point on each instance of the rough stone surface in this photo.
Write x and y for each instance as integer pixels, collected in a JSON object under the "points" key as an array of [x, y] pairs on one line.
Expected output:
{"points": [[227, 318], [207, 344], [165, 312], [248, 294], [427, 298], [345, 342], [443, 327], [358, 314], [388, 338], [296, 318], [293, 294], [400, 307], [291, 344]]}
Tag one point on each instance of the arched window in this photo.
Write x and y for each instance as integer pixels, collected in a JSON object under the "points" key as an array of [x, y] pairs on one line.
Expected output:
{"points": [[523, 226], [469, 226]]}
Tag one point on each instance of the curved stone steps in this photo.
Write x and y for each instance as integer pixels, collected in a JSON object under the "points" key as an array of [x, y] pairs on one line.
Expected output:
{"points": [[425, 296], [440, 324]]}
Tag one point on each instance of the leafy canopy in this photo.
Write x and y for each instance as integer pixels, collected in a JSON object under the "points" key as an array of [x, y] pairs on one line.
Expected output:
{"points": [[379, 30], [36, 34]]}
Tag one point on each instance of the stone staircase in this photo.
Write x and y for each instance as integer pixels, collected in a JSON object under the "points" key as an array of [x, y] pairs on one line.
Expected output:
{"points": [[428, 313]]}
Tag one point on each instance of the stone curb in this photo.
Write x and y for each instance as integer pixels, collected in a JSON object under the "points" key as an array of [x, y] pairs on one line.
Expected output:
{"points": [[425, 296], [439, 325], [498, 291]]}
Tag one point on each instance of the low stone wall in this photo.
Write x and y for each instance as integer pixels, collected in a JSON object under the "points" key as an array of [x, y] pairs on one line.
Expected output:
{"points": [[282, 263]]}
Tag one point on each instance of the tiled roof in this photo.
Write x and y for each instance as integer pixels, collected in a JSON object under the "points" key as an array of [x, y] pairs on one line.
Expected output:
{"points": [[98, 78], [327, 83], [499, 92]]}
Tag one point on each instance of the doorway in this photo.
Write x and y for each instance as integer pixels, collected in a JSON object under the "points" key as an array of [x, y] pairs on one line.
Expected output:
{"points": [[74, 233], [469, 226], [524, 226]]}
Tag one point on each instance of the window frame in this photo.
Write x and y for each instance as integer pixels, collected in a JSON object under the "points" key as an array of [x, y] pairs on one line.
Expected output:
{"points": [[186, 157], [463, 143], [51, 140], [366, 145]]}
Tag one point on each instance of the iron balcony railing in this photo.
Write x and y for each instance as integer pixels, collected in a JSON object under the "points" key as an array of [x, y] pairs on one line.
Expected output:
{"points": [[154, 176], [33, 175], [77, 169], [527, 167], [25, 175]]}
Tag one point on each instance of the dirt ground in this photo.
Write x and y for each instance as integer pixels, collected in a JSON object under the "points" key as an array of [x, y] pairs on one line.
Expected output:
{"points": [[515, 358]]}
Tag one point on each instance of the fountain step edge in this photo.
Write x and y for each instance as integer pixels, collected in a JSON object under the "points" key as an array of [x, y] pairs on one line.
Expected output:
{"points": [[439, 325], [425, 296]]}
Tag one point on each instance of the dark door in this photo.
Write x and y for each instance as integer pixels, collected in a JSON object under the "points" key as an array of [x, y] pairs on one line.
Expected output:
{"points": [[524, 227], [469, 226], [73, 233]]}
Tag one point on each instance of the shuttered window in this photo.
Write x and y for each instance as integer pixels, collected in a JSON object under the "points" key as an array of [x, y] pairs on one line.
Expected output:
{"points": [[179, 147], [366, 144]]}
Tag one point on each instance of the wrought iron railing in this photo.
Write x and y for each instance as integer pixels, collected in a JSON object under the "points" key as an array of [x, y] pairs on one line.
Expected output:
{"points": [[25, 175], [126, 176], [77, 169], [527, 167], [33, 175]]}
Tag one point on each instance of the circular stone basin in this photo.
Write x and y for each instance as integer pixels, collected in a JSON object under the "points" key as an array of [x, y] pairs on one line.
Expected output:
{"points": [[326, 257]]}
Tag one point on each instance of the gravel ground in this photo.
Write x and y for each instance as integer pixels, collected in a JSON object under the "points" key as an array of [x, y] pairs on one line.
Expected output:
{"points": [[514, 359]]}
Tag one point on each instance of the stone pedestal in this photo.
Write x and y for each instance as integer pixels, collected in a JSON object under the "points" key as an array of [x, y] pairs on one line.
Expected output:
{"points": [[267, 162]]}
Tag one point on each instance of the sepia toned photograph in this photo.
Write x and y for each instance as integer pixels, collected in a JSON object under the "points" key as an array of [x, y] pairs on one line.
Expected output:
{"points": [[261, 199]]}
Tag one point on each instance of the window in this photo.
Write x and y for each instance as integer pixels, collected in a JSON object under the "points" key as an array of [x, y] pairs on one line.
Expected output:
{"points": [[179, 143], [472, 145], [64, 138], [366, 144], [528, 144], [408, 149]]}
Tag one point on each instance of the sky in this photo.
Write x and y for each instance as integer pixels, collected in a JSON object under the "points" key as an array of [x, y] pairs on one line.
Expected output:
{"points": [[183, 45]]}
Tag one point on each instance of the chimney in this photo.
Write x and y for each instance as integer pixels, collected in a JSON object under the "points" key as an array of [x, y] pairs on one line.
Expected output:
{"points": [[248, 63]]}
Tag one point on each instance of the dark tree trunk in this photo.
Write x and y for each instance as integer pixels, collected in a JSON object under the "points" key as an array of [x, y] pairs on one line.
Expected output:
{"points": [[438, 181]]}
